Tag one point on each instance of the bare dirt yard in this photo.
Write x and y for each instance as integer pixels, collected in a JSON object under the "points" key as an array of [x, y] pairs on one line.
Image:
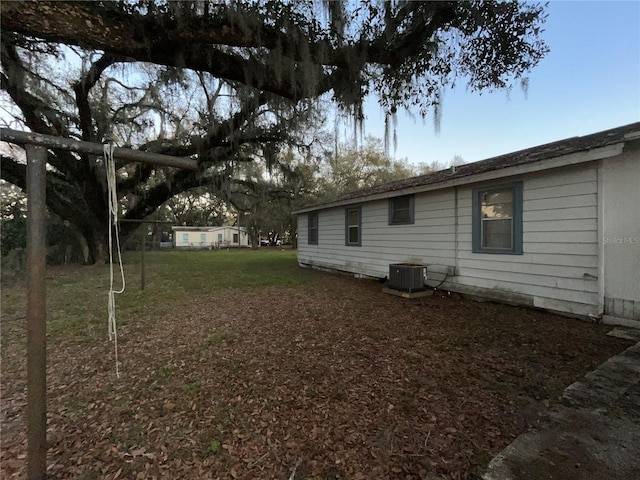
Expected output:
{"points": [[244, 366]]}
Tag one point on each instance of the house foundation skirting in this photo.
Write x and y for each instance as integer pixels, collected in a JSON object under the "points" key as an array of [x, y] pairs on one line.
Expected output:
{"points": [[622, 308]]}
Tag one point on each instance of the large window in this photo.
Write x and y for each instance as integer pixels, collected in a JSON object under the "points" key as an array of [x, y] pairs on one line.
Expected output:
{"points": [[353, 226], [185, 238], [401, 210], [235, 238], [203, 238], [312, 237], [497, 219]]}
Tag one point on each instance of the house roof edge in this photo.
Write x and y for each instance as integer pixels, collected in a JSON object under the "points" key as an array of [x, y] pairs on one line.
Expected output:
{"points": [[538, 158]]}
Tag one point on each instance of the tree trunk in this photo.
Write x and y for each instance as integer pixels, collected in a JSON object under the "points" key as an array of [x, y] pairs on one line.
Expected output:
{"points": [[96, 245]]}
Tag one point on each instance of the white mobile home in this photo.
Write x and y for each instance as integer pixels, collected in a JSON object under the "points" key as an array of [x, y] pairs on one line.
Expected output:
{"points": [[555, 227], [209, 237]]}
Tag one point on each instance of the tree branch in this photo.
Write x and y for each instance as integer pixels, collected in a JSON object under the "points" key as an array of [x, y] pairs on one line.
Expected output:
{"points": [[82, 88], [181, 181], [223, 134], [32, 108], [69, 208], [91, 25]]}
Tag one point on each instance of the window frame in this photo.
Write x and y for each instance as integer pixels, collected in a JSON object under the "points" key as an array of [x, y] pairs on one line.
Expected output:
{"points": [[516, 223], [348, 226], [392, 210], [312, 226]]}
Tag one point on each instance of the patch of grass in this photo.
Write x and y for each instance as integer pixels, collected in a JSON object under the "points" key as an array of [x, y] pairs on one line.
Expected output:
{"points": [[554, 387], [217, 338], [214, 446], [77, 296], [179, 272], [163, 371], [192, 387]]}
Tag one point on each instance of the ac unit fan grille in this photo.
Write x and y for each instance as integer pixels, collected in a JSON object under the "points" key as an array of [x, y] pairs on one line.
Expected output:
{"points": [[406, 277]]}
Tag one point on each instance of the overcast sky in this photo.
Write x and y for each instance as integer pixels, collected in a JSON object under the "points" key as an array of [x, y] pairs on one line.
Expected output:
{"points": [[590, 81]]}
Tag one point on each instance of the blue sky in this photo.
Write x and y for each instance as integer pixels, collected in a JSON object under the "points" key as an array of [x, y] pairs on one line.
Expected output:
{"points": [[590, 81]]}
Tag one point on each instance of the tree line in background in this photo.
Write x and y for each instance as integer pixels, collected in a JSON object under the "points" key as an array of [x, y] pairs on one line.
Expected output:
{"points": [[240, 87]]}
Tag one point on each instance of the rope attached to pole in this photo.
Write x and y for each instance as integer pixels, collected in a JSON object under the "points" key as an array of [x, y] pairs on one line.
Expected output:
{"points": [[113, 227]]}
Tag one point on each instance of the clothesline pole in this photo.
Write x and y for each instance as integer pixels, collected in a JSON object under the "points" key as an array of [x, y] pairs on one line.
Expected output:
{"points": [[36, 314], [36, 146]]}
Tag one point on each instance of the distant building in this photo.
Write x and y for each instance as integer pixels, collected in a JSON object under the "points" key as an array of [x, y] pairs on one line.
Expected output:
{"points": [[209, 237]]}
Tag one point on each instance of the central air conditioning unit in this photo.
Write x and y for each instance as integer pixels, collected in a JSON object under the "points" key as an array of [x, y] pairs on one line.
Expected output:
{"points": [[406, 277]]}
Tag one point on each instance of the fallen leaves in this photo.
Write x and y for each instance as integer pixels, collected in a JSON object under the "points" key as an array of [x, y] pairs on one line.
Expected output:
{"points": [[333, 380]]}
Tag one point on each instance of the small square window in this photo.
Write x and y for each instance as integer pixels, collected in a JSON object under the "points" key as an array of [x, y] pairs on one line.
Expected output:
{"points": [[312, 237], [401, 210], [497, 219], [353, 226]]}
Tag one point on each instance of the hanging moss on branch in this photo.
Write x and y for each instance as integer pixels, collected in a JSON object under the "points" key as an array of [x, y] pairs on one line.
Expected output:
{"points": [[231, 81]]}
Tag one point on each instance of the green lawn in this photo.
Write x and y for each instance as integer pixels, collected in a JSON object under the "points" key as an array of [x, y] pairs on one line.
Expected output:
{"points": [[77, 296]]}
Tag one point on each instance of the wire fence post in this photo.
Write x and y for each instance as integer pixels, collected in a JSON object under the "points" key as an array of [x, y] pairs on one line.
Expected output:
{"points": [[144, 238]]}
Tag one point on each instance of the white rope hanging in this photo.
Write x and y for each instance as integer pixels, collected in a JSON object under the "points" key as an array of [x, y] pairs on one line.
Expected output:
{"points": [[110, 167]]}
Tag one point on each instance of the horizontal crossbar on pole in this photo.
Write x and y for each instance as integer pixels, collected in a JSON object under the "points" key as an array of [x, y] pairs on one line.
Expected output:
{"points": [[62, 143], [135, 220]]}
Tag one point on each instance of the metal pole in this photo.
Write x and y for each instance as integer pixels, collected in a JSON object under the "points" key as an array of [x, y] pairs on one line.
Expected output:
{"points": [[36, 314], [144, 238], [62, 143]]}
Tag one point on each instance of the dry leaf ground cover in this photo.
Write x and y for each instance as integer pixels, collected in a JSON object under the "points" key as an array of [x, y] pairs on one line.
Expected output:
{"points": [[243, 365]]}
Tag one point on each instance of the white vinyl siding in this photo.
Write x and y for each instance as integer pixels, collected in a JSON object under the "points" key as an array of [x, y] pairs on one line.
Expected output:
{"points": [[621, 236], [559, 265], [428, 240]]}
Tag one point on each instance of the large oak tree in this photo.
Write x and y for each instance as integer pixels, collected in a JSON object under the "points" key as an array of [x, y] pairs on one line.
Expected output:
{"points": [[226, 82]]}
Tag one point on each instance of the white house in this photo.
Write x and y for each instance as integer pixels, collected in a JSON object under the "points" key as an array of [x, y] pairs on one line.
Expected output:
{"points": [[555, 226], [209, 237]]}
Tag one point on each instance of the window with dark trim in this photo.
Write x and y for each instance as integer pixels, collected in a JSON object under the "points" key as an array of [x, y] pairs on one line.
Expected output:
{"points": [[353, 224], [312, 237], [401, 210], [497, 219]]}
